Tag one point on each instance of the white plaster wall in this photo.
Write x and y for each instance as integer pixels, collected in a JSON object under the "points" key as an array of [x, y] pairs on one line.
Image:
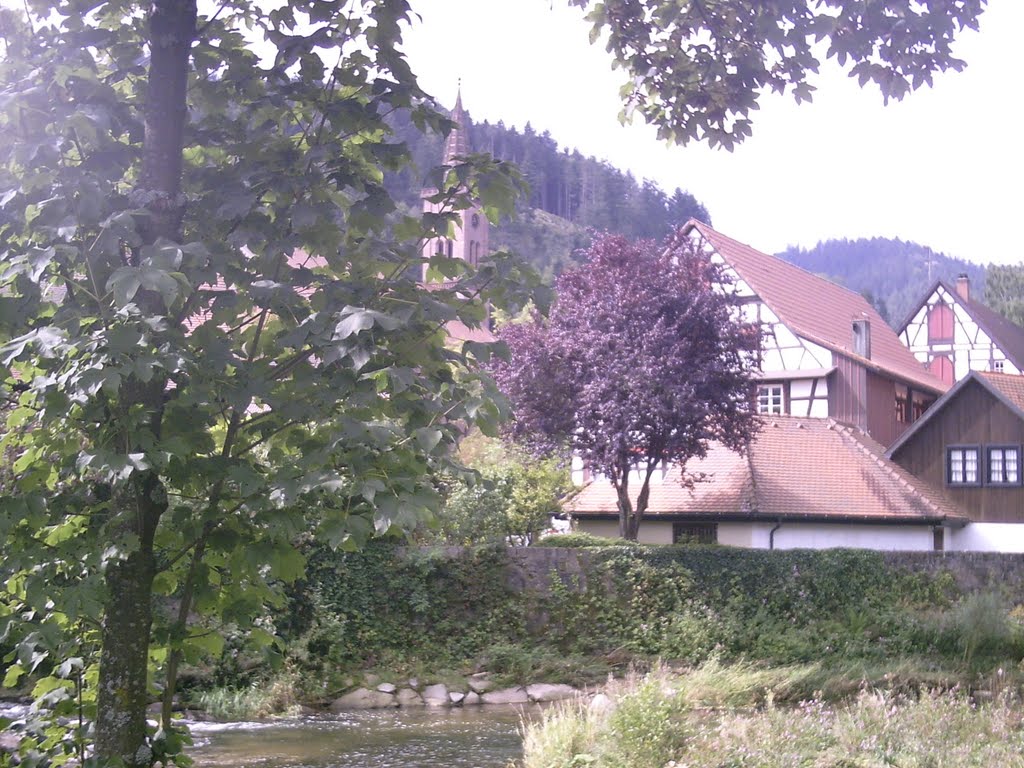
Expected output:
{"points": [[987, 537], [822, 536], [736, 534], [651, 531]]}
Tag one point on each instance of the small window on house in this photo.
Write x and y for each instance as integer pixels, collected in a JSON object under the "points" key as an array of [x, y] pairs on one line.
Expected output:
{"points": [[769, 398], [962, 465], [440, 248], [938, 539], [695, 533], [1003, 465], [449, 249], [997, 366], [902, 409]]}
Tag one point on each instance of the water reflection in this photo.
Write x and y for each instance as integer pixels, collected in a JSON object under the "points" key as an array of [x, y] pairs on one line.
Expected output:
{"points": [[480, 737]]}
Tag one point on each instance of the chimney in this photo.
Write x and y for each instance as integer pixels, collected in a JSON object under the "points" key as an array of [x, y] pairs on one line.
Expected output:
{"points": [[862, 337], [963, 286]]}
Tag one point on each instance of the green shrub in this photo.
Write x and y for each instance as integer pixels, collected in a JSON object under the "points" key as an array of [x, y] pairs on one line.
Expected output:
{"points": [[575, 540]]}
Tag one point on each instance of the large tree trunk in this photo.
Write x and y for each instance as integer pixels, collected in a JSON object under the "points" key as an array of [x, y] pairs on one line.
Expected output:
{"points": [[137, 508], [124, 652]]}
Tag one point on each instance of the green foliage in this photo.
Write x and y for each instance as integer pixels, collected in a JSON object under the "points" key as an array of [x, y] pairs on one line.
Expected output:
{"points": [[1004, 291], [579, 539], [379, 606], [278, 696], [210, 339], [513, 498], [648, 724]]}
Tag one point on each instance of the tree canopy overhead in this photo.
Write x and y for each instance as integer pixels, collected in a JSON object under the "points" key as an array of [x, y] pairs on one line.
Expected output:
{"points": [[641, 364], [697, 69]]}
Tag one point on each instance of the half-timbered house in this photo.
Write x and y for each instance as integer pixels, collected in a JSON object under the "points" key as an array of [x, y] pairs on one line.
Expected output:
{"points": [[952, 333], [825, 351], [835, 385], [970, 443]]}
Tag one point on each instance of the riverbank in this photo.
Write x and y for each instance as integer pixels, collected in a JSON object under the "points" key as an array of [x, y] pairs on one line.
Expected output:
{"points": [[717, 716]]}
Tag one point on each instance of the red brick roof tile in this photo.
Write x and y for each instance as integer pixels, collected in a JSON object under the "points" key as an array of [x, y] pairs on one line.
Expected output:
{"points": [[796, 468], [818, 309]]}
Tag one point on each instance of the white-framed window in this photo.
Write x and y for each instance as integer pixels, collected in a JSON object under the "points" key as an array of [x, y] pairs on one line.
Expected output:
{"points": [[997, 366], [963, 465], [770, 398], [1003, 465]]}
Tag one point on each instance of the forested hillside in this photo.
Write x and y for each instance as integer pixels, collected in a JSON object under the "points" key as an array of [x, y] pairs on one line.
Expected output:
{"points": [[892, 274], [569, 193]]}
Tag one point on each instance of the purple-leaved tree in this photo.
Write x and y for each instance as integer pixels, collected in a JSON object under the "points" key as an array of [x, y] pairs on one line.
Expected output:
{"points": [[641, 363]]}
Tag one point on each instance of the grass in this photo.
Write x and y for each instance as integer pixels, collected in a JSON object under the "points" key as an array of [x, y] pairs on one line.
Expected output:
{"points": [[278, 696], [734, 716]]}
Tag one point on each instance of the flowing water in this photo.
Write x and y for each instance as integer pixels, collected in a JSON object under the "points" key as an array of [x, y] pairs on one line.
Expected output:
{"points": [[480, 737], [477, 737]]}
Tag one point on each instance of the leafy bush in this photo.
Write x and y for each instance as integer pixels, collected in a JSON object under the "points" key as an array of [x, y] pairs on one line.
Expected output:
{"points": [[575, 540]]}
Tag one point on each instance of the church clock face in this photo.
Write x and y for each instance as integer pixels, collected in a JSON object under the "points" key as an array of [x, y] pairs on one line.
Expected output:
{"points": [[476, 220]]}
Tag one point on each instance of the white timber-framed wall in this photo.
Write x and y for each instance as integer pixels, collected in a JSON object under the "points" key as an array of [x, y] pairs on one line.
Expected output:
{"points": [[793, 371], [966, 345]]}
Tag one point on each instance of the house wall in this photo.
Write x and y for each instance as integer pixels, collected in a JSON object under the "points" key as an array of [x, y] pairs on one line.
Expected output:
{"points": [[787, 536], [881, 416], [973, 417], [848, 393], [987, 537], [971, 349]]}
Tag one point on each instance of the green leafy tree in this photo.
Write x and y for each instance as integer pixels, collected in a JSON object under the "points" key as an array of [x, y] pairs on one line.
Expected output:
{"points": [[697, 70], [187, 389], [1004, 291]]}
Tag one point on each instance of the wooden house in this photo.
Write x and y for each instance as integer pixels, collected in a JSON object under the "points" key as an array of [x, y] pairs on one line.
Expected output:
{"points": [[970, 443], [952, 333]]}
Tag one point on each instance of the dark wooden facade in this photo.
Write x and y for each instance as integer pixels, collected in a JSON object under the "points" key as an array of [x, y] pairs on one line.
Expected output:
{"points": [[973, 416], [867, 398]]}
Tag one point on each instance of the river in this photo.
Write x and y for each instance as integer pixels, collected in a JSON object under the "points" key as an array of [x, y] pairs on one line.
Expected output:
{"points": [[477, 737]]}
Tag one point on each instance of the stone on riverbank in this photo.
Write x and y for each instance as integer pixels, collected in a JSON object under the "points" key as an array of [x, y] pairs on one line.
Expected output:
{"points": [[549, 692], [436, 695], [506, 696], [363, 698]]}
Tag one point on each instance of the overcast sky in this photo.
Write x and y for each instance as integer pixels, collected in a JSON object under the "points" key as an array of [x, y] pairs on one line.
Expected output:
{"points": [[944, 167]]}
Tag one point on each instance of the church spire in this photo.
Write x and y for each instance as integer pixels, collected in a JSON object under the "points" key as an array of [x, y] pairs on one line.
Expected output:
{"points": [[457, 143]]}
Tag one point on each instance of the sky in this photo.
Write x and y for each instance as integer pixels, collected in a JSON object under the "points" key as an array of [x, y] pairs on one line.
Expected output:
{"points": [[944, 167]]}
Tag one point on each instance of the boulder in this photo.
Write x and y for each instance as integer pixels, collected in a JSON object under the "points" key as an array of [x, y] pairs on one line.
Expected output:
{"points": [[436, 695], [471, 700], [407, 697], [456, 697], [480, 684], [506, 696], [387, 688], [363, 698], [546, 692], [414, 682]]}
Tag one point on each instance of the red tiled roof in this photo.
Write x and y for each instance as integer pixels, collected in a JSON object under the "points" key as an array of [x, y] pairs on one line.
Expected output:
{"points": [[818, 309], [1011, 387], [796, 468]]}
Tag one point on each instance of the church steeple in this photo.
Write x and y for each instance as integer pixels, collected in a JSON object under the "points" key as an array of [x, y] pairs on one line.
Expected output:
{"points": [[457, 144], [469, 240]]}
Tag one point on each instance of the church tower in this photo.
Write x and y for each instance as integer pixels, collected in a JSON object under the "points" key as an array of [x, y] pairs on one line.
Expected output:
{"points": [[470, 239]]}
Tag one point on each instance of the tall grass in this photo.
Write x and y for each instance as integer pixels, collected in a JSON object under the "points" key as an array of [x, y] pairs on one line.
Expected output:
{"points": [[278, 696], [661, 720]]}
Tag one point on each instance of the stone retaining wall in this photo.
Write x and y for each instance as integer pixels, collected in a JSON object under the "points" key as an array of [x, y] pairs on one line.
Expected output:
{"points": [[533, 567]]}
